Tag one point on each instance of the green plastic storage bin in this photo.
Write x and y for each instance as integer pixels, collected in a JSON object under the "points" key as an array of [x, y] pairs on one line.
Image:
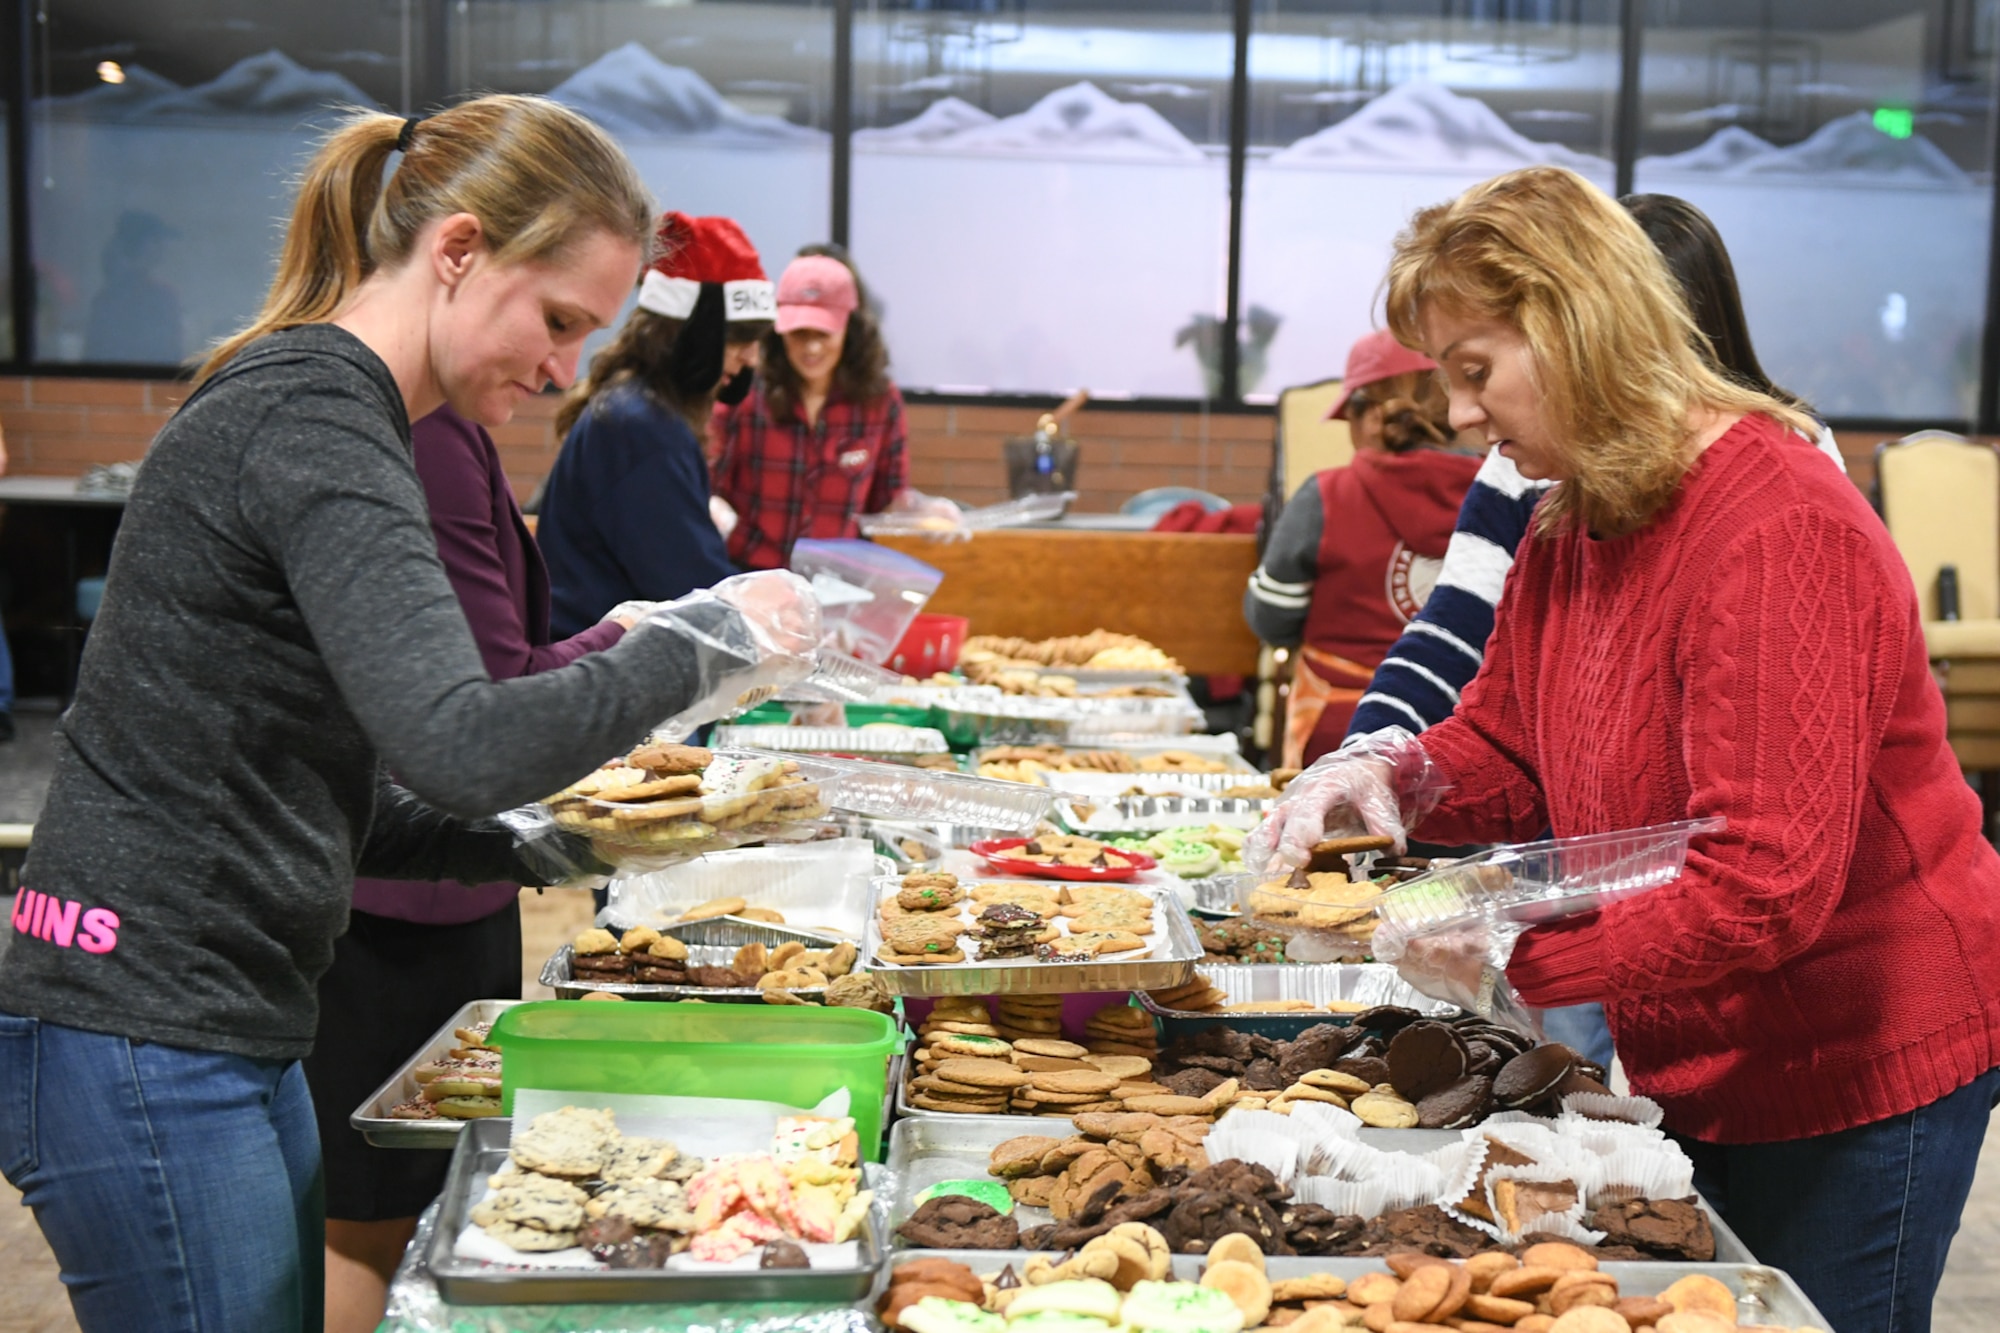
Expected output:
{"points": [[795, 1054], [904, 715]]}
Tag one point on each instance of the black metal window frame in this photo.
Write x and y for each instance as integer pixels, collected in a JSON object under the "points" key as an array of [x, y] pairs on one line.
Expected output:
{"points": [[19, 18]]}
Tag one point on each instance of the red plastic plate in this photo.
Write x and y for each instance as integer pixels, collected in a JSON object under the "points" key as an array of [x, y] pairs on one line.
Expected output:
{"points": [[994, 853]]}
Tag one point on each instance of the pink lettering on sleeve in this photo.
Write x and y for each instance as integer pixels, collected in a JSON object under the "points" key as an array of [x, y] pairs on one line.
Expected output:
{"points": [[24, 907], [100, 931], [35, 915]]}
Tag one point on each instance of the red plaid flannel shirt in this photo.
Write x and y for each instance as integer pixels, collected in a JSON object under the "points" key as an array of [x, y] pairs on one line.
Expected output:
{"points": [[788, 480]]}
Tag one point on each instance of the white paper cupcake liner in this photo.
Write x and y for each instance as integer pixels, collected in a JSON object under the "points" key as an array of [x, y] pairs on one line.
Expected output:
{"points": [[1658, 1171], [1359, 1198], [1640, 1111], [1260, 1137], [1315, 1120]]}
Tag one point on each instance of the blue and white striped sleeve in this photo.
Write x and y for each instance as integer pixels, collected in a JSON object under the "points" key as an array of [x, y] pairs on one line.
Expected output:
{"points": [[1280, 591], [1418, 684]]}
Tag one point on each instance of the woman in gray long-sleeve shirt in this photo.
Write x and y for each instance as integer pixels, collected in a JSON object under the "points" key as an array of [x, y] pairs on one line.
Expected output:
{"points": [[276, 629]]}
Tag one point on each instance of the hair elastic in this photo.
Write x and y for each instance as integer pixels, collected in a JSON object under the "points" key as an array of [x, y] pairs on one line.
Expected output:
{"points": [[409, 128]]}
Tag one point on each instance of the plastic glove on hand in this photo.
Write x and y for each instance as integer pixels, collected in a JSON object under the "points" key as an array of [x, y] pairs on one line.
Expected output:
{"points": [[781, 611], [1340, 796]]}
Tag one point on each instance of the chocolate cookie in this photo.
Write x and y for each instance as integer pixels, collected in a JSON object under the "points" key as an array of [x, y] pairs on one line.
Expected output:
{"points": [[1387, 1019], [954, 1222], [1457, 1104], [1663, 1228], [716, 978], [1529, 1077], [1369, 1069], [1424, 1058]]}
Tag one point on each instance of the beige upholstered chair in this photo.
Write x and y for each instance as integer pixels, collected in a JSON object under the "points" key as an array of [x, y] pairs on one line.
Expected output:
{"points": [[1940, 496]]}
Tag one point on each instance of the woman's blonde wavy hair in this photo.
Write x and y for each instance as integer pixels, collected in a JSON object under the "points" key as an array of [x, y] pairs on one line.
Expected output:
{"points": [[1617, 358]]}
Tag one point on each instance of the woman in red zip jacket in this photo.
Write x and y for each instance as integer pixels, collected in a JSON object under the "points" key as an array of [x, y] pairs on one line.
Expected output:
{"points": [[1354, 555]]}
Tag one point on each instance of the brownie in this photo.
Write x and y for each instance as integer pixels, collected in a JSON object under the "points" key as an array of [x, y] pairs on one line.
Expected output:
{"points": [[1663, 1228]]}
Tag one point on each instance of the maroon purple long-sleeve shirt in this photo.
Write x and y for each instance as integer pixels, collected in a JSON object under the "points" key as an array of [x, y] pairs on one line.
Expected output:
{"points": [[497, 572]]}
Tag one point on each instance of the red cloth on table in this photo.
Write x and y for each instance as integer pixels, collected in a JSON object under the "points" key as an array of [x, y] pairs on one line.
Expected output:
{"points": [[1194, 516], [1832, 958]]}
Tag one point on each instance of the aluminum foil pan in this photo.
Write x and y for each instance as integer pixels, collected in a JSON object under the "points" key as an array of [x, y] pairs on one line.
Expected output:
{"points": [[736, 931], [1363, 984], [556, 976], [1170, 964]]}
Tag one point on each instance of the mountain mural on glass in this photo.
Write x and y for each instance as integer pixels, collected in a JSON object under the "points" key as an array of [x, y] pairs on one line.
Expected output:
{"points": [[631, 91], [1849, 147], [267, 86], [1081, 121], [1423, 127]]}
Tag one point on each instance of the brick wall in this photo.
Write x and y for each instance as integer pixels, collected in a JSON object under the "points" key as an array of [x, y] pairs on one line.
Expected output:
{"points": [[58, 426]]}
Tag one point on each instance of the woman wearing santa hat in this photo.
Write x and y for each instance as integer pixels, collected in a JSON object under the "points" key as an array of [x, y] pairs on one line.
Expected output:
{"points": [[625, 513], [821, 439]]}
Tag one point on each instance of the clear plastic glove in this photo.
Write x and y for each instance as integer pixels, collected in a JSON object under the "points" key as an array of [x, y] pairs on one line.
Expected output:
{"points": [[913, 513], [909, 501], [722, 514], [1381, 783], [752, 634], [629, 614], [552, 856]]}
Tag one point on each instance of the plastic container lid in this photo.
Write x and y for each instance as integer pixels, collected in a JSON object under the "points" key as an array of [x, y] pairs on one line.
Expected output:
{"points": [[795, 1055], [837, 740], [1535, 882]]}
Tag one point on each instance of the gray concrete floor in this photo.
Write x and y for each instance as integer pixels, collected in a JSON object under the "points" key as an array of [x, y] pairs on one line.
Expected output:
{"points": [[32, 1299]]}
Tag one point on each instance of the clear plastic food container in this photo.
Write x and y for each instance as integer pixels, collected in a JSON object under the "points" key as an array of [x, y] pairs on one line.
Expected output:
{"points": [[837, 740], [927, 796], [1534, 882]]}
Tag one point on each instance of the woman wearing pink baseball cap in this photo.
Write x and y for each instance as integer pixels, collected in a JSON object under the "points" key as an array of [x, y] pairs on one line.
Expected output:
{"points": [[821, 440], [1354, 555]]}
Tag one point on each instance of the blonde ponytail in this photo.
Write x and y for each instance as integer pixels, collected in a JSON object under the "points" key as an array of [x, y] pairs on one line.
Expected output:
{"points": [[537, 175]]}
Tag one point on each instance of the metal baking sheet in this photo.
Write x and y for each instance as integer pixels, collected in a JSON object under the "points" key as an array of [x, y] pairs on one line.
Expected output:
{"points": [[1764, 1295], [927, 1148], [1174, 957], [372, 1117], [469, 1282], [556, 976]]}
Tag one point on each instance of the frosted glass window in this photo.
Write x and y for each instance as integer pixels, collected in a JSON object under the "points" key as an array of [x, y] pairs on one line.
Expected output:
{"points": [[163, 140], [1358, 120], [1843, 151], [1041, 193], [726, 108]]}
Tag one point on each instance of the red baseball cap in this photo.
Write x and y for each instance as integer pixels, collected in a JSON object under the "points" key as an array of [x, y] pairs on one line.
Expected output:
{"points": [[816, 292], [1375, 357]]}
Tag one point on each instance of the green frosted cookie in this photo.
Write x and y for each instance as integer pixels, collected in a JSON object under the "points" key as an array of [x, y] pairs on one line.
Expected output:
{"points": [[992, 1193], [935, 1314], [1089, 1296], [1056, 1321], [1180, 1307]]}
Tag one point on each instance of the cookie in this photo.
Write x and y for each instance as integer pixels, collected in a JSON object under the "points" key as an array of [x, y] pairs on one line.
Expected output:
{"points": [[1120, 1066], [930, 897], [533, 1201], [957, 1043], [659, 1205], [1087, 1081], [468, 1108], [895, 959], [529, 1239], [714, 907], [927, 1102], [983, 1073], [594, 941], [638, 1159], [572, 1142], [413, 1110]]}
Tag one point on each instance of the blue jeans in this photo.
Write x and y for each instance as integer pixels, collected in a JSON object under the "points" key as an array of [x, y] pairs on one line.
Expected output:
{"points": [[180, 1190], [1581, 1027], [1863, 1218]]}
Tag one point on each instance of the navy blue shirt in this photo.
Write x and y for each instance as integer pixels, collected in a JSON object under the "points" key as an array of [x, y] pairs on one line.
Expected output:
{"points": [[624, 516]]}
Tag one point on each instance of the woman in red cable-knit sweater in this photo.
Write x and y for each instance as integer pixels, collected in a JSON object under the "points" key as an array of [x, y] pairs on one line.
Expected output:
{"points": [[1707, 620]]}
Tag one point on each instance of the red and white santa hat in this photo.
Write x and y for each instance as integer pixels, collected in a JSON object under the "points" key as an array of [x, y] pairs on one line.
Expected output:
{"points": [[694, 251]]}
